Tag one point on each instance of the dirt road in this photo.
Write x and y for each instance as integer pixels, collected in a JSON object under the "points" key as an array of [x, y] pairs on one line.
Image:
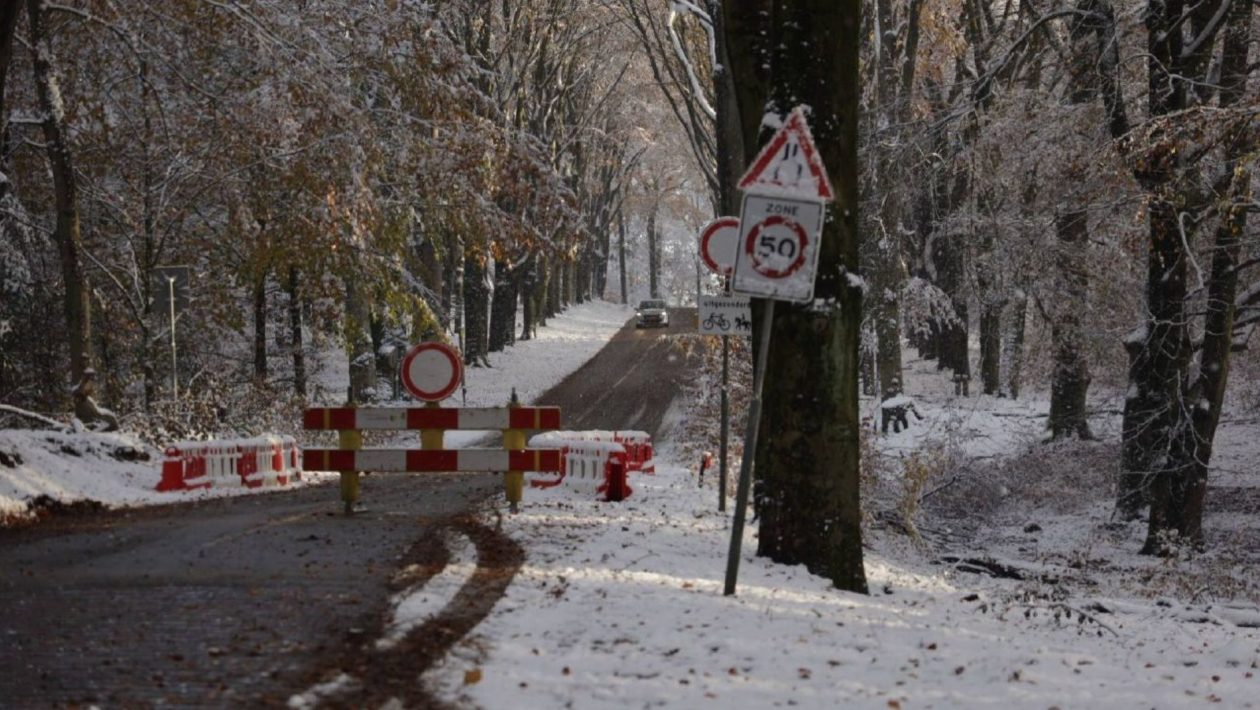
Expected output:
{"points": [[246, 601]]}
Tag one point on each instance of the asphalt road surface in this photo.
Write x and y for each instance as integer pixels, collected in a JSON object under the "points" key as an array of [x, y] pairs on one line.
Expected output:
{"points": [[245, 601]]}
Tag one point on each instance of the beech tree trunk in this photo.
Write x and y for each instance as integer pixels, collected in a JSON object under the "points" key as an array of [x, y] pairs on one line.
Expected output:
{"points": [[653, 258], [67, 231], [1069, 378], [621, 258], [1193, 406], [295, 333], [476, 309], [502, 308], [807, 460], [1015, 345], [259, 298], [359, 344]]}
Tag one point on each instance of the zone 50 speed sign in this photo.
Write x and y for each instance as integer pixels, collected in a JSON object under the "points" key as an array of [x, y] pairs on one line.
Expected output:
{"points": [[778, 248]]}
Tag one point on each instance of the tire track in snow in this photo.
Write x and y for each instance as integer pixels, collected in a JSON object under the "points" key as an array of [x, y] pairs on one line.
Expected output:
{"points": [[388, 670]]}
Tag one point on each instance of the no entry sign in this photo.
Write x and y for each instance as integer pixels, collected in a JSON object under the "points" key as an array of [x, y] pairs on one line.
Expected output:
{"points": [[718, 241], [431, 372], [778, 247]]}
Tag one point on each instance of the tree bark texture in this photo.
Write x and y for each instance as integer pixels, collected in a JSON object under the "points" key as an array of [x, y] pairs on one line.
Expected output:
{"points": [[621, 259], [502, 308], [654, 264], [258, 296], [1014, 349], [1195, 399], [1069, 377], [359, 344], [807, 462], [476, 308], [67, 231], [295, 333]]}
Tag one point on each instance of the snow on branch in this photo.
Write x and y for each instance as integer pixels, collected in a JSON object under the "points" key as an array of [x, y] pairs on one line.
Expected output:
{"points": [[676, 8]]}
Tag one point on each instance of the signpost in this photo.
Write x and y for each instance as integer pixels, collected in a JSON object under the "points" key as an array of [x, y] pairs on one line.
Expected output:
{"points": [[171, 293], [785, 192], [719, 241]]}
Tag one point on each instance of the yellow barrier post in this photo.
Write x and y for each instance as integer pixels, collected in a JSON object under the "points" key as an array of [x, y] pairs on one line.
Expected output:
{"points": [[351, 439], [432, 439], [514, 480]]}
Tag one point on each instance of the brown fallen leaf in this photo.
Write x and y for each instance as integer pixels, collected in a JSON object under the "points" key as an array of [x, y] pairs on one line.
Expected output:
{"points": [[473, 676]]}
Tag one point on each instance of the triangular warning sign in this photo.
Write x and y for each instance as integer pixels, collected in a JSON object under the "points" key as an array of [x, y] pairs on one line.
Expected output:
{"points": [[789, 166]]}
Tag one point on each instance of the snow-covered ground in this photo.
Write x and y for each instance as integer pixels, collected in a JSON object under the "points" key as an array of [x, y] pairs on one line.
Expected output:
{"points": [[621, 605]]}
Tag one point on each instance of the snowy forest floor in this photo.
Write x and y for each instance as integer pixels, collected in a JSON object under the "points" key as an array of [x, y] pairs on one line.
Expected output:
{"points": [[1008, 584], [997, 575]]}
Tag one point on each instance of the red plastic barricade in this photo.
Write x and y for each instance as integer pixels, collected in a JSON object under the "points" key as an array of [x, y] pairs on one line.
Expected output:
{"points": [[598, 461], [250, 463]]}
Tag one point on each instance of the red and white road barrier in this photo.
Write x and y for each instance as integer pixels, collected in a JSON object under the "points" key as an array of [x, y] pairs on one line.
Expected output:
{"points": [[427, 461], [232, 463], [597, 461], [395, 418]]}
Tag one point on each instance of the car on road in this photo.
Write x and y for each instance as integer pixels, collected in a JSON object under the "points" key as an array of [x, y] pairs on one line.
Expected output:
{"points": [[651, 313]]}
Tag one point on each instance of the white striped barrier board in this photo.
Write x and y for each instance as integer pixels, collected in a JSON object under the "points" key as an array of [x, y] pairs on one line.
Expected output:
{"points": [[427, 461], [412, 418]]}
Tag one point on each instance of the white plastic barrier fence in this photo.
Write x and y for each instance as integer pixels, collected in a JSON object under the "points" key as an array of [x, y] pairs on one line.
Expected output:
{"points": [[596, 461], [251, 463]]}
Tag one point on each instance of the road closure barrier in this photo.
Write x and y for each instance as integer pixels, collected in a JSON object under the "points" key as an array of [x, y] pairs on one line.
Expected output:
{"points": [[232, 463], [598, 462], [514, 459]]}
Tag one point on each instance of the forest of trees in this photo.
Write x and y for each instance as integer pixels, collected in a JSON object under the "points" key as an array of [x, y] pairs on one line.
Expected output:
{"points": [[358, 173], [1067, 183], [1078, 173]]}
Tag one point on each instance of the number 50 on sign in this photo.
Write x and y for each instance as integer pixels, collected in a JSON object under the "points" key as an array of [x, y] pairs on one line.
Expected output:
{"points": [[777, 254]]}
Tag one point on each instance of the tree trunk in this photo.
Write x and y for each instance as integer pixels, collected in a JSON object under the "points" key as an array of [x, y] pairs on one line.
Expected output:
{"points": [[66, 232], [502, 308], [730, 144], [359, 345], [476, 307], [653, 258], [952, 341], [1155, 376], [621, 258], [555, 270], [888, 277], [807, 461], [259, 299], [1178, 491], [1014, 349], [1069, 378], [295, 334], [9, 12], [529, 284]]}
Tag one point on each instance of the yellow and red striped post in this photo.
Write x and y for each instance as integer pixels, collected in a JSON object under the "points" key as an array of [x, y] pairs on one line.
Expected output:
{"points": [[351, 439], [514, 481], [432, 439]]}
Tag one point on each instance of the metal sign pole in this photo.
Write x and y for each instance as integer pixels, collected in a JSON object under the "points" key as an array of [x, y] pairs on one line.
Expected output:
{"points": [[170, 283], [726, 422], [750, 451]]}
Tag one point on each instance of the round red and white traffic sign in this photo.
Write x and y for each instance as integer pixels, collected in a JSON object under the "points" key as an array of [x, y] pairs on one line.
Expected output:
{"points": [[432, 371], [718, 241], [776, 246]]}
